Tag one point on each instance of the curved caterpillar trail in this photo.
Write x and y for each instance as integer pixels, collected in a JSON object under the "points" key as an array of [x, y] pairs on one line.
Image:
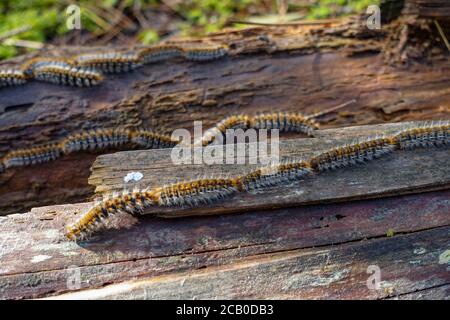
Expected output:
{"points": [[86, 70], [101, 139], [283, 121], [91, 140], [205, 191]]}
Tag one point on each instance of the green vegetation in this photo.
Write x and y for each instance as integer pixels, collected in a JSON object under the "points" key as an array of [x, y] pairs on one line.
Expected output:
{"points": [[46, 19]]}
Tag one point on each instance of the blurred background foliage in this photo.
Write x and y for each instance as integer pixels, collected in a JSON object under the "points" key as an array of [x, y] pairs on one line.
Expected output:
{"points": [[29, 24]]}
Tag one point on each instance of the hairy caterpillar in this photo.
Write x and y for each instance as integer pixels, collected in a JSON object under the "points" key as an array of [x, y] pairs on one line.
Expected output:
{"points": [[354, 153], [295, 122], [204, 53], [83, 70], [109, 62], [91, 140], [205, 191], [29, 66], [433, 134], [132, 203], [165, 52], [98, 139], [232, 122], [31, 156], [12, 77], [67, 75], [276, 174], [180, 194], [152, 140], [283, 121], [197, 192], [159, 53]]}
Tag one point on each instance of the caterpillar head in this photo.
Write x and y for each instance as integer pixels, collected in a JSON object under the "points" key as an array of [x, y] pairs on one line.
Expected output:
{"points": [[72, 232]]}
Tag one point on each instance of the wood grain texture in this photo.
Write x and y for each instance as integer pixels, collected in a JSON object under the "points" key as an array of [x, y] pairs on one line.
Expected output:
{"points": [[37, 261], [401, 172], [314, 274], [288, 68]]}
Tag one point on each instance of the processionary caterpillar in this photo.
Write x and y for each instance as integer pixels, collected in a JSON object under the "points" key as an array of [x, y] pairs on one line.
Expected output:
{"points": [[283, 121], [12, 77], [54, 70], [67, 75], [109, 62], [29, 66], [101, 139], [159, 53], [204, 53], [202, 191], [91, 140], [84, 70]]}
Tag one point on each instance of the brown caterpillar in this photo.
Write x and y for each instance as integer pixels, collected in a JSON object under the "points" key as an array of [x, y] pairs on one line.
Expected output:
{"points": [[83, 70], [283, 121], [109, 62], [204, 53], [148, 139], [165, 52], [91, 140], [59, 73], [206, 191], [98, 139], [427, 135], [159, 53], [132, 203], [232, 122], [180, 194], [276, 174], [31, 156], [12, 77], [29, 66], [351, 154], [286, 122]]}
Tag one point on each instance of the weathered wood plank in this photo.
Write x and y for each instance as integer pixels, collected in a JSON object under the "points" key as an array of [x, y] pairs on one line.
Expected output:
{"points": [[402, 172], [408, 263], [36, 259]]}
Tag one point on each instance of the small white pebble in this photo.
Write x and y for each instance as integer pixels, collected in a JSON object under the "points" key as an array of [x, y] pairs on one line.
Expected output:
{"points": [[133, 176]]}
